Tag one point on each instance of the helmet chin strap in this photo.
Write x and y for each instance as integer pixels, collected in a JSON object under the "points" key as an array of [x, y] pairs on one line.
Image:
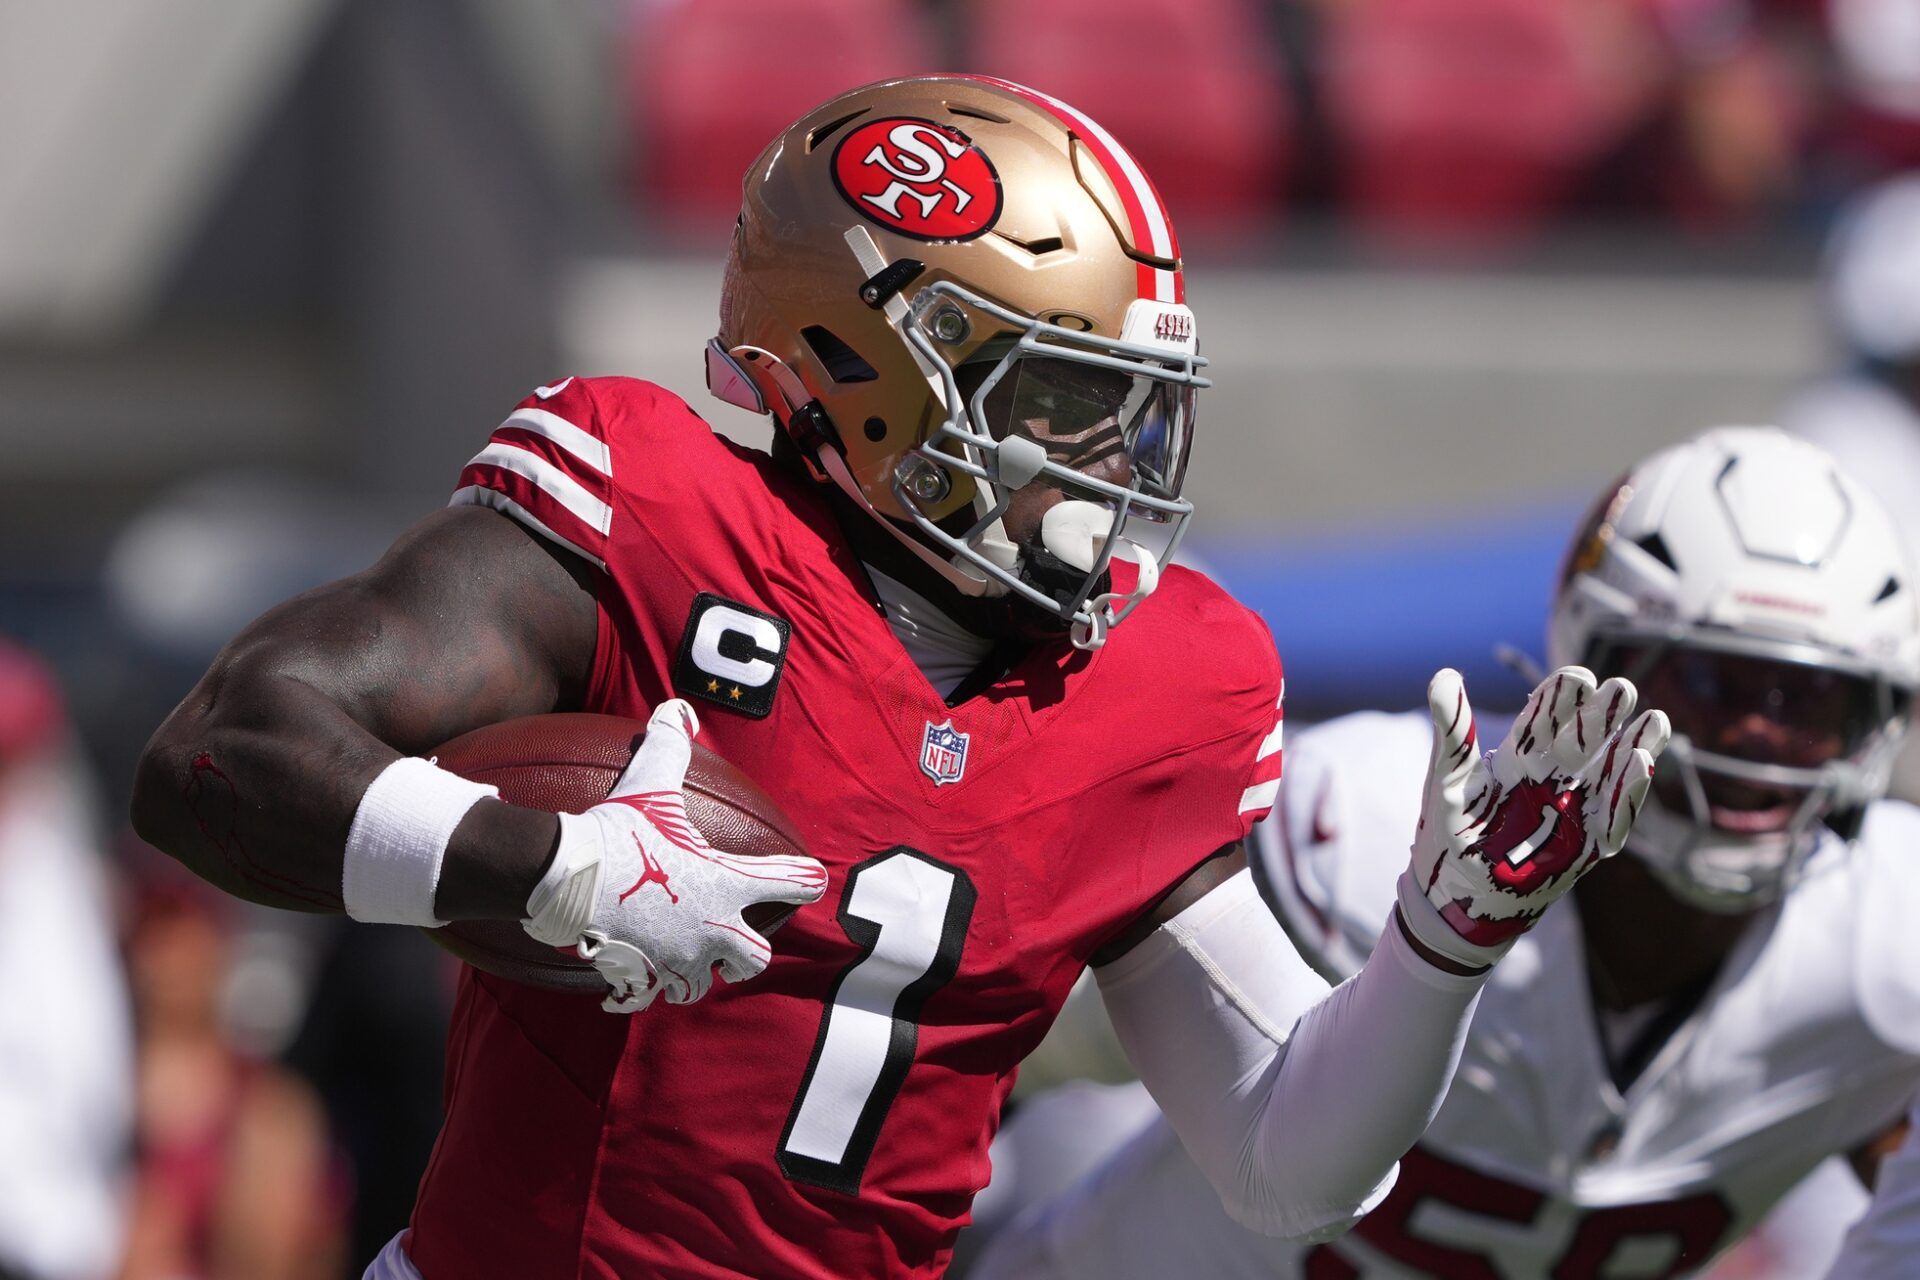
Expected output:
{"points": [[1077, 532]]}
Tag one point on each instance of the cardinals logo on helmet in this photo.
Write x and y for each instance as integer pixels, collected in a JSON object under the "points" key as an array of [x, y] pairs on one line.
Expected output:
{"points": [[918, 178], [1596, 531]]}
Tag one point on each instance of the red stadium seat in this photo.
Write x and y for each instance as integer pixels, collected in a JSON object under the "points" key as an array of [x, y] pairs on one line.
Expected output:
{"points": [[31, 714], [711, 82], [1193, 88], [1461, 121]]}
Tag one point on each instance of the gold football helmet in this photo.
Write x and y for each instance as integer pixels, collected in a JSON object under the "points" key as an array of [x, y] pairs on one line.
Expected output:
{"points": [[947, 288]]}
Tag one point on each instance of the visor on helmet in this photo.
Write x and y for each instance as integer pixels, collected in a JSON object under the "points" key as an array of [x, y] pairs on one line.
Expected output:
{"points": [[1767, 723], [1086, 417]]}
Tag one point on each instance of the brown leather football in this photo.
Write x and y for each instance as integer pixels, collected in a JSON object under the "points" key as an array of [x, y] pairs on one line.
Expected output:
{"points": [[567, 763]]}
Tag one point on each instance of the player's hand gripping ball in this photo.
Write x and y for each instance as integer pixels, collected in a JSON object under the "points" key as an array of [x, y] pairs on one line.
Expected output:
{"points": [[1502, 836], [636, 889]]}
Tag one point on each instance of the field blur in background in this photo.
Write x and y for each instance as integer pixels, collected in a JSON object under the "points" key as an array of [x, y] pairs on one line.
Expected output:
{"points": [[270, 270]]}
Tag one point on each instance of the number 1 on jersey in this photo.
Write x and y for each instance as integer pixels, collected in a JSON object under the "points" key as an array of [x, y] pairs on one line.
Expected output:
{"points": [[908, 913]]}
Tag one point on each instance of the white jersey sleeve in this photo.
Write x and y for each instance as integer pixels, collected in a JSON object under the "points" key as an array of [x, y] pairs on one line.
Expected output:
{"points": [[1886, 936], [1329, 855], [1885, 1244]]}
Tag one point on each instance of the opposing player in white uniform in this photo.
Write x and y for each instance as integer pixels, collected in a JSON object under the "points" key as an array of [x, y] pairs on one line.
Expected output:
{"points": [[1651, 1071]]}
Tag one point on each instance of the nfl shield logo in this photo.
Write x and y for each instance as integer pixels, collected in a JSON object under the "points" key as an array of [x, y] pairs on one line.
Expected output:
{"points": [[943, 755]]}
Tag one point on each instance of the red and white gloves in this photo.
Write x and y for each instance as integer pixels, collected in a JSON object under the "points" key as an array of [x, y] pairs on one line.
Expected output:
{"points": [[635, 888], [1501, 837]]}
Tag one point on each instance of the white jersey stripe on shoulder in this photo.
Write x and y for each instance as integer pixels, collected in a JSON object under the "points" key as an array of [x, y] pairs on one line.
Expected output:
{"points": [[1159, 235], [1272, 744], [551, 480], [1152, 229], [478, 495], [583, 445], [1259, 796]]}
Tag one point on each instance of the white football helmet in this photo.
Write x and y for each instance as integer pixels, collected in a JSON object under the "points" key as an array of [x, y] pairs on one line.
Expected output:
{"points": [[1761, 598]]}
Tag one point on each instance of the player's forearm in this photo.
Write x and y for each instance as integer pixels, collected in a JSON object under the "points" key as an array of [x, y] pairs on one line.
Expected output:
{"points": [[255, 780], [1293, 1100], [1361, 1078], [252, 784]]}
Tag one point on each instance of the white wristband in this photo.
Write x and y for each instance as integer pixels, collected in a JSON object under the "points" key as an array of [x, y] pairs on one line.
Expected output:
{"points": [[1431, 928], [399, 838]]}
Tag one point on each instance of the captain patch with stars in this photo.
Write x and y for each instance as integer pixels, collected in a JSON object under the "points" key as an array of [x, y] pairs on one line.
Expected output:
{"points": [[732, 655]]}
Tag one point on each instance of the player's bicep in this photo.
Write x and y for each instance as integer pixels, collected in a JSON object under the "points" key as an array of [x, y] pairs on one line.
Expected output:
{"points": [[254, 779], [468, 619]]}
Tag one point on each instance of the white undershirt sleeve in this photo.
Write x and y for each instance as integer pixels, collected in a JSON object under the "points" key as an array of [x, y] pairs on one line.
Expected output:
{"points": [[1294, 1100]]}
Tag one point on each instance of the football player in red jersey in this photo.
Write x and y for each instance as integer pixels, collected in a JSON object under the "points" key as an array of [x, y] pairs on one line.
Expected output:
{"points": [[921, 626]]}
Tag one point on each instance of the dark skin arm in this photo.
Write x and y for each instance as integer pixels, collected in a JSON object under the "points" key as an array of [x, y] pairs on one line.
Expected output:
{"points": [[469, 619], [253, 781]]}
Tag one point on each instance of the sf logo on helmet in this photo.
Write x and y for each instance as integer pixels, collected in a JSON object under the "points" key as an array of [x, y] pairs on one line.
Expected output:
{"points": [[918, 178]]}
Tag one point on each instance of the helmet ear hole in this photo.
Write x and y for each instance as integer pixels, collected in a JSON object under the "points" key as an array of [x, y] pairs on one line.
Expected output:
{"points": [[1656, 546]]}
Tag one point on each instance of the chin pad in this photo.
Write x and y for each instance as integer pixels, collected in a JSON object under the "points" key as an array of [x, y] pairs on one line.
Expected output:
{"points": [[1074, 531]]}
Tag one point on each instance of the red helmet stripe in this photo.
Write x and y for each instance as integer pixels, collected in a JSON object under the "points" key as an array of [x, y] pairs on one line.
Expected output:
{"points": [[1151, 227]]}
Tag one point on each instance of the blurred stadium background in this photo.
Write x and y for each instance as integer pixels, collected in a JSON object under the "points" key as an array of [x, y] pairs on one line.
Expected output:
{"points": [[269, 269]]}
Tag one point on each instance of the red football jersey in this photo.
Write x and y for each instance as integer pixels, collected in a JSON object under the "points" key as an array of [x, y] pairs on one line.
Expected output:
{"points": [[831, 1117]]}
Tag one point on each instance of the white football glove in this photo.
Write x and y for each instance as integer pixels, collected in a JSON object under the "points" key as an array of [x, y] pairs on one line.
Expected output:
{"points": [[1502, 836], [635, 888]]}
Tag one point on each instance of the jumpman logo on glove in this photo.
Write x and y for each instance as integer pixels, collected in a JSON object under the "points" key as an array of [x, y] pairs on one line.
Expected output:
{"points": [[674, 942], [651, 872]]}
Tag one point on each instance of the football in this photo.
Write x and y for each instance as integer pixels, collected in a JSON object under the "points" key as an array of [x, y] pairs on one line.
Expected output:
{"points": [[567, 763]]}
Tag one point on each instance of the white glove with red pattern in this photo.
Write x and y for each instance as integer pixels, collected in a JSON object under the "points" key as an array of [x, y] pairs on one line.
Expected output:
{"points": [[1501, 837], [635, 888]]}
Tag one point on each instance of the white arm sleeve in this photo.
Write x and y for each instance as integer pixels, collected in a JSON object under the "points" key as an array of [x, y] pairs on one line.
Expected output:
{"points": [[1294, 1101]]}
